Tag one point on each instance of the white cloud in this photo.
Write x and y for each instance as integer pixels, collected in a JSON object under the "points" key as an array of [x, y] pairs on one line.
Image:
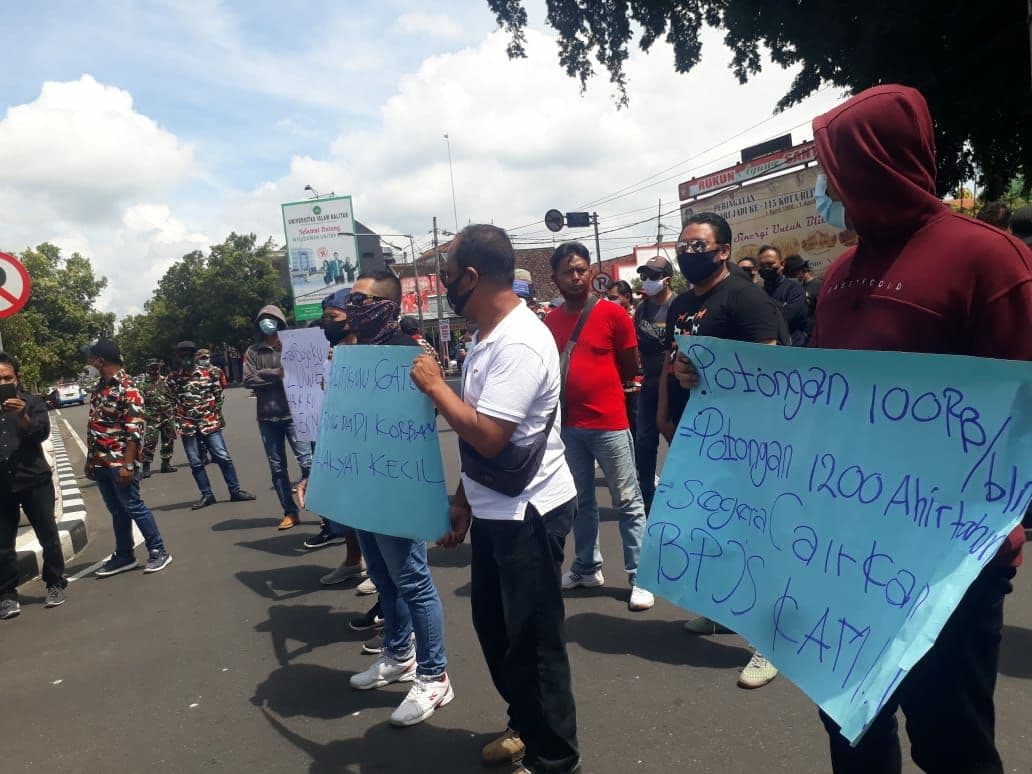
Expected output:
{"points": [[84, 146], [435, 25]]}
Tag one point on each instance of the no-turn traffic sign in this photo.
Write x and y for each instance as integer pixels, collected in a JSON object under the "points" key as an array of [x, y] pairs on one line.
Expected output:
{"points": [[15, 285], [601, 282]]}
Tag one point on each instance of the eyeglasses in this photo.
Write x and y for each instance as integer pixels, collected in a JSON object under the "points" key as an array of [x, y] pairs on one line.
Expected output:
{"points": [[651, 274], [695, 246], [360, 299]]}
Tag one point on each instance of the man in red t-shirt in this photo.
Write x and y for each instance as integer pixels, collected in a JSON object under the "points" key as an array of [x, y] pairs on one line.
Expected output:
{"points": [[594, 418]]}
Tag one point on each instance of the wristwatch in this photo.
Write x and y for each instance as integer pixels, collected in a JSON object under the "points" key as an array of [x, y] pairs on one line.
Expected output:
{"points": [[130, 466]]}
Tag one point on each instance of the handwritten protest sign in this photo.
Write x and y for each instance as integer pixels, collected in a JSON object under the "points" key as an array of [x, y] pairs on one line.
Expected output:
{"points": [[377, 463], [832, 507], [304, 362]]}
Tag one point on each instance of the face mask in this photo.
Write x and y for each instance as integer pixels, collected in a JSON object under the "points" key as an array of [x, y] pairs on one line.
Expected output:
{"points": [[376, 322], [769, 274], [336, 331], [652, 287], [697, 267], [267, 326], [204, 362], [833, 212], [457, 300]]}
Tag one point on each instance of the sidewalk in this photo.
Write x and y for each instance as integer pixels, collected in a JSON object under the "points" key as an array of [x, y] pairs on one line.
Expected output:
{"points": [[69, 512]]}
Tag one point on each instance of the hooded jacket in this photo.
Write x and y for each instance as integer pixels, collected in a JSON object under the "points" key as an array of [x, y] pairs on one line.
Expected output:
{"points": [[263, 373], [921, 278]]}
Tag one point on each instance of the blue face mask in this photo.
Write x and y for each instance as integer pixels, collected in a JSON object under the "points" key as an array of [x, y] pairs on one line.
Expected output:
{"points": [[833, 212], [267, 326]]}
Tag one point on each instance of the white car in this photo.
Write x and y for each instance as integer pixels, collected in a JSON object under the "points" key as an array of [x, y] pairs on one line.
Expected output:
{"points": [[70, 393]]}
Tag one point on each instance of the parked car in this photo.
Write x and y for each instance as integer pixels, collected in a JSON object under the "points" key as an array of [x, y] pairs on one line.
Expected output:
{"points": [[68, 394]]}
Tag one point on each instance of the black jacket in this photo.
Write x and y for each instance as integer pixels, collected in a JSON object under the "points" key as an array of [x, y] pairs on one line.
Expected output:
{"points": [[22, 464]]}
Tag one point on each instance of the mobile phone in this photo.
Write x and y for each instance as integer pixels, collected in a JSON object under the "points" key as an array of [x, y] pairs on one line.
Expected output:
{"points": [[7, 391]]}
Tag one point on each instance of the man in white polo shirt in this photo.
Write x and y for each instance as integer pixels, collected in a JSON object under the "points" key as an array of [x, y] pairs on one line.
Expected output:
{"points": [[517, 492]]}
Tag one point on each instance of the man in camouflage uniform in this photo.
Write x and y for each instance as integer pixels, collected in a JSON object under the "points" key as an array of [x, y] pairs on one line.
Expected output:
{"points": [[114, 436], [158, 411], [196, 386]]}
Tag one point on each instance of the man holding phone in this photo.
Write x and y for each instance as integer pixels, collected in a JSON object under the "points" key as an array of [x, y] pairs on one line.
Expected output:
{"points": [[26, 481]]}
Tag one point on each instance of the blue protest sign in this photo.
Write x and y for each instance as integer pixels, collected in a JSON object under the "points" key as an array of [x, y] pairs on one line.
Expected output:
{"points": [[377, 464], [832, 507]]}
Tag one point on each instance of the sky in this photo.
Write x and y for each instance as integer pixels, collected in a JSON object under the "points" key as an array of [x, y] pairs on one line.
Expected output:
{"points": [[136, 132]]}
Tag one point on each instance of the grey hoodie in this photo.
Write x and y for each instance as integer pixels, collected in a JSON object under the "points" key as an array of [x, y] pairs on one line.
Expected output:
{"points": [[263, 373]]}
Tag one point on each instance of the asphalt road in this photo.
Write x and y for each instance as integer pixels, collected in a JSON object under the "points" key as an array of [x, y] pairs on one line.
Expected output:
{"points": [[235, 659]]}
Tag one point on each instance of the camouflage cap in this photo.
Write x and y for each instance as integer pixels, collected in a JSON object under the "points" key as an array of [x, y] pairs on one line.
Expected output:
{"points": [[204, 353]]}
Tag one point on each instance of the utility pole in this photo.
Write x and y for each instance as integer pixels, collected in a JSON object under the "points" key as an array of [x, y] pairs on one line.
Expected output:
{"points": [[659, 224], [442, 345], [415, 275], [598, 247]]}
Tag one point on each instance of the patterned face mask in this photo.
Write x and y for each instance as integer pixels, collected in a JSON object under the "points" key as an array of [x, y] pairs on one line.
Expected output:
{"points": [[374, 322]]}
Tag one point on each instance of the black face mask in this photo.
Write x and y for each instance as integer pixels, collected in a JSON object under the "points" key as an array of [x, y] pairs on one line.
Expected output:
{"points": [[335, 331], [769, 274], [697, 267], [457, 300]]}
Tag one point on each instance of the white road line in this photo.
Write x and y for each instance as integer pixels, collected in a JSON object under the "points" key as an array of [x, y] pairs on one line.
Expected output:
{"points": [[75, 435]]}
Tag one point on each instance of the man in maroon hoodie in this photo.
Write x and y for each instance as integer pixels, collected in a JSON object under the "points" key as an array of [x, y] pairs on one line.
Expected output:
{"points": [[921, 279]]}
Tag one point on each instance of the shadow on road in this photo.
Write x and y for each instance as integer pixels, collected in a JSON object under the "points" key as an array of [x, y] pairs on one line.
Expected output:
{"points": [[284, 544], [661, 641], [313, 626], [233, 524], [315, 691], [460, 556], [385, 748], [1016, 652], [185, 505], [283, 583]]}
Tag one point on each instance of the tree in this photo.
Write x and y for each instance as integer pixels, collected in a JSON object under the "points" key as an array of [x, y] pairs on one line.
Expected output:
{"points": [[970, 60], [59, 318], [208, 299]]}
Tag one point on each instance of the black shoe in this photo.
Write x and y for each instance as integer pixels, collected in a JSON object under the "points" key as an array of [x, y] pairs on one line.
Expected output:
{"points": [[166, 467], [242, 496], [9, 608], [146, 470], [323, 539], [371, 620], [55, 596], [204, 502]]}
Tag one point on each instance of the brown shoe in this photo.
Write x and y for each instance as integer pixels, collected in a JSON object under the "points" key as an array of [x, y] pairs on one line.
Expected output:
{"points": [[508, 748], [289, 520]]}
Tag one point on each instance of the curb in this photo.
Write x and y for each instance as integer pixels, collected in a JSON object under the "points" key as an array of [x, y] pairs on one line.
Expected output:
{"points": [[69, 513]]}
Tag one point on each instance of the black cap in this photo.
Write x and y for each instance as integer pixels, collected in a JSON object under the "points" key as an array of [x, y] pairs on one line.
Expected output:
{"points": [[796, 263], [186, 345], [105, 349]]}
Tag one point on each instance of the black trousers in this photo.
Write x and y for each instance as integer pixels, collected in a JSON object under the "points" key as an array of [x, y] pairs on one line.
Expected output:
{"points": [[518, 615], [947, 697], [38, 502]]}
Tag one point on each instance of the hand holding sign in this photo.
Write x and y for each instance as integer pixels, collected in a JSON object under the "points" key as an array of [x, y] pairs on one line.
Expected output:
{"points": [[832, 507]]}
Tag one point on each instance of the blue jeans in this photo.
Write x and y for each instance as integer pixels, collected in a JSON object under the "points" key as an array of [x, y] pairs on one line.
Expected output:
{"points": [[275, 436], [126, 506], [614, 451], [408, 597], [647, 442], [217, 446]]}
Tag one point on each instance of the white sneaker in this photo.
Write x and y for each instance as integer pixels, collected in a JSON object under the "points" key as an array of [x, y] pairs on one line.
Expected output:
{"points": [[572, 580], [425, 696], [757, 673], [365, 588], [384, 671], [641, 599]]}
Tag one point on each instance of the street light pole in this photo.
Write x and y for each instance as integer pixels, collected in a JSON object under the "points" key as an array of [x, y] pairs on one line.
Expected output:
{"points": [[451, 173], [443, 346]]}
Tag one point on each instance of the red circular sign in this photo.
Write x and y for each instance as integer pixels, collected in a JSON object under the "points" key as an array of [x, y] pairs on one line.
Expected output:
{"points": [[15, 285]]}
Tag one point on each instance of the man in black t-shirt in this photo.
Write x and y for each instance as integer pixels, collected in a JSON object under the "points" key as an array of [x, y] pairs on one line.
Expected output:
{"points": [[724, 306]]}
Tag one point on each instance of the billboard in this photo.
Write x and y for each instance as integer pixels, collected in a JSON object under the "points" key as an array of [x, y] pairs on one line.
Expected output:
{"points": [[412, 298], [322, 248], [747, 170], [779, 212]]}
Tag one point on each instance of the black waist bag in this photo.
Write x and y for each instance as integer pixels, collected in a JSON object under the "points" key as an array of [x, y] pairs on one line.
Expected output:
{"points": [[513, 469]]}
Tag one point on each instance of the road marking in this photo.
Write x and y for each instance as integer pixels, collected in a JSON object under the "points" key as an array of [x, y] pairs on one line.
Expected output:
{"points": [[75, 435]]}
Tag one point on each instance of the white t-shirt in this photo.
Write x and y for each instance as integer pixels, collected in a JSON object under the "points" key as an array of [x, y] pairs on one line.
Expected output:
{"points": [[513, 375]]}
